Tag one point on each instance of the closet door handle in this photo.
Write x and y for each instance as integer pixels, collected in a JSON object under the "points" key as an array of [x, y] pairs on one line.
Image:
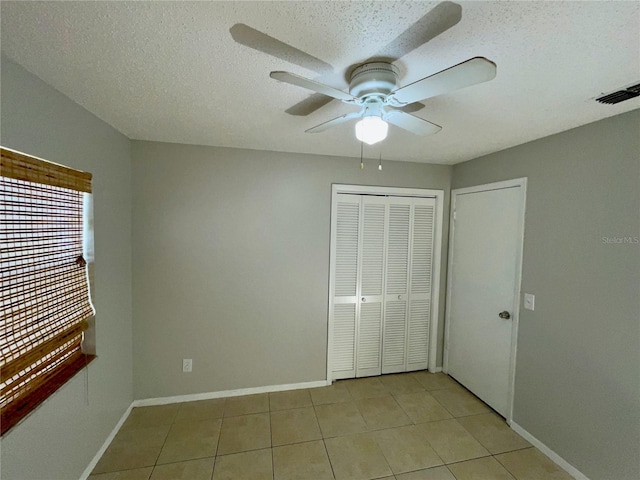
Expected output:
{"points": [[364, 300]]}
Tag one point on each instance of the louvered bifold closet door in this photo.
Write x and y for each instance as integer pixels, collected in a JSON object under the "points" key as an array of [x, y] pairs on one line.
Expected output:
{"points": [[421, 268], [369, 329], [345, 285], [396, 289]]}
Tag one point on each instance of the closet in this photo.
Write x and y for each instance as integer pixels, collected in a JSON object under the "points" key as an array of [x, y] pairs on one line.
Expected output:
{"points": [[381, 279]]}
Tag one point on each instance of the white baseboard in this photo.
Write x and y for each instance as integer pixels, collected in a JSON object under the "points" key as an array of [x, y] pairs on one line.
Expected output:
{"points": [[105, 445], [435, 370], [227, 393], [557, 459]]}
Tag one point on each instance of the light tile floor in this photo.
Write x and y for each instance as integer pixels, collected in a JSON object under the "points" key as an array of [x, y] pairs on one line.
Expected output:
{"points": [[412, 426]]}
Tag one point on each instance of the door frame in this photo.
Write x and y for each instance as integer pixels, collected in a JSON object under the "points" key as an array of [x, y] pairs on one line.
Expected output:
{"points": [[437, 255], [522, 184]]}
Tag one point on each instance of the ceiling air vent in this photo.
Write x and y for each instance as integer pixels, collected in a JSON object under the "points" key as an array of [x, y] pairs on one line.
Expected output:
{"points": [[621, 95]]}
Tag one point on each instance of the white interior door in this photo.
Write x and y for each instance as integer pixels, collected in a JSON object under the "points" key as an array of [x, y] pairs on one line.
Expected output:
{"points": [[484, 281]]}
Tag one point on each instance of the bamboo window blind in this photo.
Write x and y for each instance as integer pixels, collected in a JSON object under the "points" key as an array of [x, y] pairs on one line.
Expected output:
{"points": [[45, 300]]}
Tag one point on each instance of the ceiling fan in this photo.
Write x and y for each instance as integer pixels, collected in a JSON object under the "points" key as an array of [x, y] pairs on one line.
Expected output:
{"points": [[373, 85]]}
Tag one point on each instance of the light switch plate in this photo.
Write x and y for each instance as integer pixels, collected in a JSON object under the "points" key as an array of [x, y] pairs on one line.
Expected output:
{"points": [[529, 301]]}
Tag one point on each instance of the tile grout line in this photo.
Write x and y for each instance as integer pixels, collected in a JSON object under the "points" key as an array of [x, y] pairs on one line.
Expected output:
{"points": [[505, 467], [155, 464], [326, 450], [215, 458], [273, 463], [486, 447]]}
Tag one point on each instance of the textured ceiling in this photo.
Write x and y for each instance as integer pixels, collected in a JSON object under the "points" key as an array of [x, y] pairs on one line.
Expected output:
{"points": [[170, 71]]}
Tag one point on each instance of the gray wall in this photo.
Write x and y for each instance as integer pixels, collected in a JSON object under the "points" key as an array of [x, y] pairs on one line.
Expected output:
{"points": [[61, 437], [231, 262], [577, 374]]}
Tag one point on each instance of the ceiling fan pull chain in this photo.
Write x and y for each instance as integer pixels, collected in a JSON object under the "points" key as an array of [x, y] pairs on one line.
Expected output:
{"points": [[361, 162]]}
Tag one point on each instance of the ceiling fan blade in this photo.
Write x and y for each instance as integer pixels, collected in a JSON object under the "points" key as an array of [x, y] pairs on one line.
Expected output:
{"points": [[470, 72], [439, 19], [313, 85], [332, 123], [252, 38], [309, 105], [412, 107], [411, 123]]}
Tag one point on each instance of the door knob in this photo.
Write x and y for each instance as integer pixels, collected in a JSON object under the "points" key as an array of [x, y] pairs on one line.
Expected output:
{"points": [[504, 315], [364, 300]]}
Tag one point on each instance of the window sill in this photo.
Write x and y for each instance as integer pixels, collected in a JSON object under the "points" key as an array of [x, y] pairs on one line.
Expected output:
{"points": [[14, 414]]}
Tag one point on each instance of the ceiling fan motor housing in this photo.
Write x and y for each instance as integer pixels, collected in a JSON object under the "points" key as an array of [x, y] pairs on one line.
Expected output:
{"points": [[376, 79]]}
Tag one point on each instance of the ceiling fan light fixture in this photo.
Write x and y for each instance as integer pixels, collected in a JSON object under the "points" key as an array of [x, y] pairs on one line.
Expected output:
{"points": [[371, 129]]}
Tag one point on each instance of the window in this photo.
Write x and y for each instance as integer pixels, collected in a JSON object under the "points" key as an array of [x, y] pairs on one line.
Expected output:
{"points": [[45, 301]]}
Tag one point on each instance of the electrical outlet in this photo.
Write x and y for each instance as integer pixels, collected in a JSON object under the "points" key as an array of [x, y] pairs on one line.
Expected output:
{"points": [[529, 301], [187, 365]]}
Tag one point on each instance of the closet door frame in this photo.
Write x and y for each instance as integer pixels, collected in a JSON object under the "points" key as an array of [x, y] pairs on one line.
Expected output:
{"points": [[437, 252]]}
